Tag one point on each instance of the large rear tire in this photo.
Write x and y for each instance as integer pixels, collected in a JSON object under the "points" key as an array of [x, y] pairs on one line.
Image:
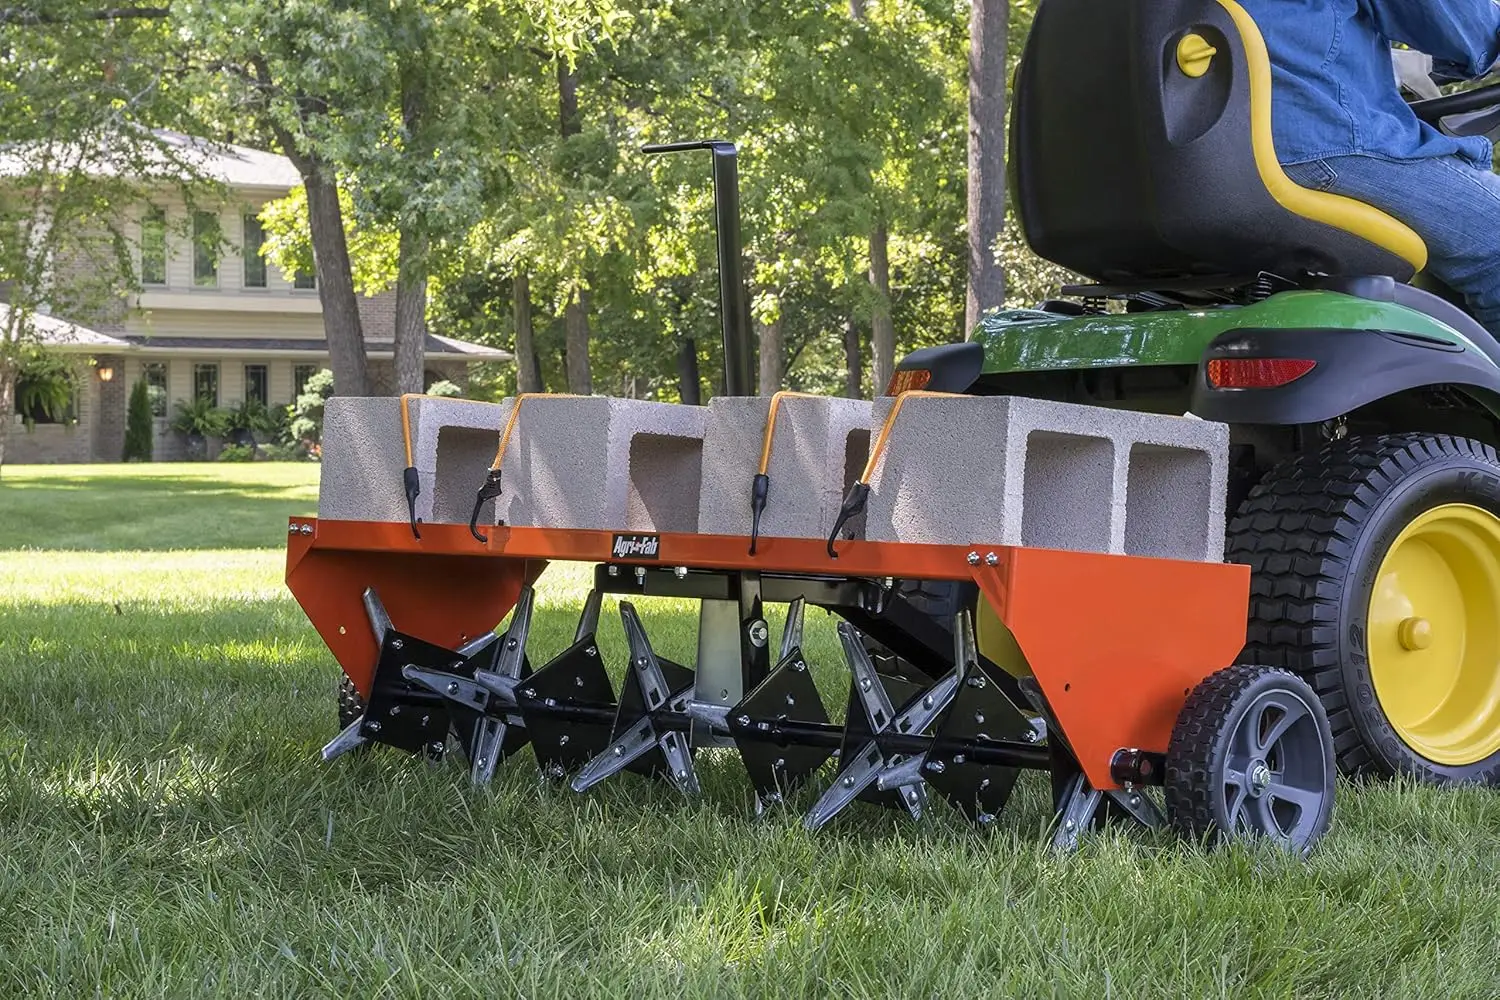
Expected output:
{"points": [[1376, 577]]}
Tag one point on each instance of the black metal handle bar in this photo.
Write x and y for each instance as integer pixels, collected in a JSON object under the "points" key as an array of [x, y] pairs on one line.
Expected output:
{"points": [[1434, 110]]}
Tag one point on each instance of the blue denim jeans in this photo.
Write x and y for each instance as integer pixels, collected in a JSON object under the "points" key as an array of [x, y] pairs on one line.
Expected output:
{"points": [[1452, 205]]}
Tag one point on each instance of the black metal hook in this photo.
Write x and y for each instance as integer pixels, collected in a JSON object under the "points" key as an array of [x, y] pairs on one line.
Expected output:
{"points": [[489, 491], [853, 506], [760, 489], [413, 484]]}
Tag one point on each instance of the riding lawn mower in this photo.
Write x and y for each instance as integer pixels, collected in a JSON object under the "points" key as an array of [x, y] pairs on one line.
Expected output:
{"points": [[1040, 544]]}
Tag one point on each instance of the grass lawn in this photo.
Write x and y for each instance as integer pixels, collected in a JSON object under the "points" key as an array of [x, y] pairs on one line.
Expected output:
{"points": [[166, 829]]}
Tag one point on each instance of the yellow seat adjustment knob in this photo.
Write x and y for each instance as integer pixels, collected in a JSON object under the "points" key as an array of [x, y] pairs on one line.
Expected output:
{"points": [[1414, 633], [1195, 55]]}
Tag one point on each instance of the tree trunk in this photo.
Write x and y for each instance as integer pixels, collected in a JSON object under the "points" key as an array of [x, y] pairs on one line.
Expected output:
{"points": [[576, 320], [341, 323], [690, 383], [989, 26], [412, 262], [7, 403], [771, 349], [528, 367], [853, 362], [882, 330], [411, 311]]}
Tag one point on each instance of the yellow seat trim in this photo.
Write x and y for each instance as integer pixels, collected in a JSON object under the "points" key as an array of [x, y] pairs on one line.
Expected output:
{"points": [[1365, 221]]}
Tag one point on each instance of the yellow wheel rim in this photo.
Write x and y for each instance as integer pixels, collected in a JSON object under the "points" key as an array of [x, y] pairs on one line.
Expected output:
{"points": [[1434, 640]]}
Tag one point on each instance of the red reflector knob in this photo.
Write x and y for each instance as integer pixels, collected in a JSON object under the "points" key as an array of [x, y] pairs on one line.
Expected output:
{"points": [[908, 380], [1256, 373]]}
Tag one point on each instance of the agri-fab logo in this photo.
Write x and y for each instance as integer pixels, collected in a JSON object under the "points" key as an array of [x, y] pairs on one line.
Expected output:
{"points": [[637, 547]]}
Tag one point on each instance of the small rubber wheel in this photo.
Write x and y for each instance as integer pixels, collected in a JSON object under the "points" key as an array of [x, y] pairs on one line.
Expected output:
{"points": [[351, 705], [1251, 756], [1376, 577]]}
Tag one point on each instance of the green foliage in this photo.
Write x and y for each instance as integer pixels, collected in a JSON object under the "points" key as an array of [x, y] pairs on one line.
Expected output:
{"points": [[256, 418], [306, 423], [445, 388], [46, 385], [138, 431], [199, 417], [237, 453]]}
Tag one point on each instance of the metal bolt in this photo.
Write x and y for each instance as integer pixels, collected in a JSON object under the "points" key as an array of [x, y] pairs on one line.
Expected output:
{"points": [[985, 819], [453, 687], [511, 644], [642, 663], [959, 758], [977, 681], [456, 665], [798, 666], [680, 572], [591, 651], [848, 782], [578, 682], [1070, 825], [759, 632], [562, 740], [990, 559], [529, 693], [935, 766], [973, 558], [619, 751], [395, 709], [397, 644], [927, 702], [780, 763], [743, 720], [640, 574], [985, 783], [483, 762], [1135, 800], [681, 775], [373, 725], [612, 570], [291, 529], [307, 529], [790, 700], [911, 795], [426, 719], [437, 749], [979, 718], [864, 684], [1031, 736]]}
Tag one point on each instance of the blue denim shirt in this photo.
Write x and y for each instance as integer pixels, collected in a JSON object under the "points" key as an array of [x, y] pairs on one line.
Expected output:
{"points": [[1333, 84]]}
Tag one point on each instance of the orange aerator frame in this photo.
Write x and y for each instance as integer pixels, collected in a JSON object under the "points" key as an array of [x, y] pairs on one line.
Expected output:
{"points": [[1115, 642]]}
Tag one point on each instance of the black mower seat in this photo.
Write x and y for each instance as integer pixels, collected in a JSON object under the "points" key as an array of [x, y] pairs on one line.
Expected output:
{"points": [[1142, 150]]}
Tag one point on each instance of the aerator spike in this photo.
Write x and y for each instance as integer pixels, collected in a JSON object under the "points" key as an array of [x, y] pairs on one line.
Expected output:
{"points": [[588, 621], [348, 739], [492, 737], [791, 632], [652, 686], [380, 621]]}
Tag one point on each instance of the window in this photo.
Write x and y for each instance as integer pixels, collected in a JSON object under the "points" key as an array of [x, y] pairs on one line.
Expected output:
{"points": [[305, 279], [300, 375], [206, 383], [155, 375], [206, 239], [154, 247], [257, 384], [255, 264]]}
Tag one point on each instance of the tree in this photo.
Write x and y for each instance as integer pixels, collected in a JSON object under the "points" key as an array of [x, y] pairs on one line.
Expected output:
{"points": [[989, 25], [138, 430]]}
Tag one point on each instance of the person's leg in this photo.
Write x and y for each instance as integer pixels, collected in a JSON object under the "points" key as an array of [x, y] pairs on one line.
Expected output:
{"points": [[1453, 206]]}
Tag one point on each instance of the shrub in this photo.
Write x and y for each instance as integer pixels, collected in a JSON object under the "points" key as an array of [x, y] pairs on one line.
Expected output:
{"points": [[237, 453], [200, 417], [285, 452], [306, 424], [138, 424], [445, 388]]}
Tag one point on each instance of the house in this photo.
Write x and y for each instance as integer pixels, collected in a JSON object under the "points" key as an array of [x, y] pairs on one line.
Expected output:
{"points": [[211, 319]]}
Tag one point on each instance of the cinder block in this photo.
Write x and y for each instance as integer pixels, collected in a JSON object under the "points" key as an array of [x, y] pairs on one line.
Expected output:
{"points": [[1011, 471], [364, 457], [604, 464], [819, 447]]}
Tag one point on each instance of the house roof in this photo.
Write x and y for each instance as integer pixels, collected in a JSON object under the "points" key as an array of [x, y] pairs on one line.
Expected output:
{"points": [[68, 337], [175, 154]]}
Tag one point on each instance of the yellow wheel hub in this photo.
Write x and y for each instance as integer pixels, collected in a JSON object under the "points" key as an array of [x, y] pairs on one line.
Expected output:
{"points": [[1434, 634]]}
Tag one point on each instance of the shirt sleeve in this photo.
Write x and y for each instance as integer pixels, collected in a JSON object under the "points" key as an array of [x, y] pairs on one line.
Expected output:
{"points": [[1462, 36]]}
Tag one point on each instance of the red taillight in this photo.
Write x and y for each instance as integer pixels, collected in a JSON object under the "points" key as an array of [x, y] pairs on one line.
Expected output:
{"points": [[1256, 373], [906, 381]]}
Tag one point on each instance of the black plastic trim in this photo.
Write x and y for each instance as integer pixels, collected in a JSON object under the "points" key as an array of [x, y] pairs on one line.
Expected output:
{"points": [[954, 367], [1354, 368]]}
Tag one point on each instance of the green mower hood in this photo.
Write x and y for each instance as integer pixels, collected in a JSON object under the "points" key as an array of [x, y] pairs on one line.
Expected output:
{"points": [[1023, 340]]}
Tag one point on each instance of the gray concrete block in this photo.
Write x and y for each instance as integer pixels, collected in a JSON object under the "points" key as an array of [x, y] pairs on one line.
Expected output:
{"points": [[819, 447], [604, 464], [453, 445], [363, 459], [1011, 471]]}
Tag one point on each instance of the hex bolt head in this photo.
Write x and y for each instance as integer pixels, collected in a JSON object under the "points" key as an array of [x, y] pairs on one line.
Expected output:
{"points": [[640, 574], [790, 700], [680, 572], [307, 529], [780, 763], [743, 720], [482, 762], [973, 558], [935, 766], [759, 633], [990, 559], [619, 751], [681, 775], [848, 782], [511, 643], [798, 666], [373, 725], [291, 529], [642, 663], [562, 740], [397, 644], [395, 709], [1070, 825], [591, 651], [453, 687], [979, 718], [911, 795], [612, 570], [927, 702], [864, 684]]}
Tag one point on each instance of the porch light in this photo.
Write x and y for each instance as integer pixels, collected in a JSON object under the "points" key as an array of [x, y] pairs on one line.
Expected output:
{"points": [[106, 373]]}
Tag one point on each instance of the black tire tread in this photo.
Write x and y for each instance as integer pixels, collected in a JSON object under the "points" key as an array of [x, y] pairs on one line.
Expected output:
{"points": [[1297, 532]]}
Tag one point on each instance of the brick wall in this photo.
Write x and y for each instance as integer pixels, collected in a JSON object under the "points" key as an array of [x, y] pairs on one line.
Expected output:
{"points": [[50, 444], [109, 413], [377, 316]]}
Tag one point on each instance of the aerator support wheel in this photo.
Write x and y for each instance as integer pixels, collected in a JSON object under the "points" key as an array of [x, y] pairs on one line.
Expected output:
{"points": [[1251, 756], [1376, 577]]}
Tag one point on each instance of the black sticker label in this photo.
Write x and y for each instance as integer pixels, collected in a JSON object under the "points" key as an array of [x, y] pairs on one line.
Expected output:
{"points": [[637, 547]]}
